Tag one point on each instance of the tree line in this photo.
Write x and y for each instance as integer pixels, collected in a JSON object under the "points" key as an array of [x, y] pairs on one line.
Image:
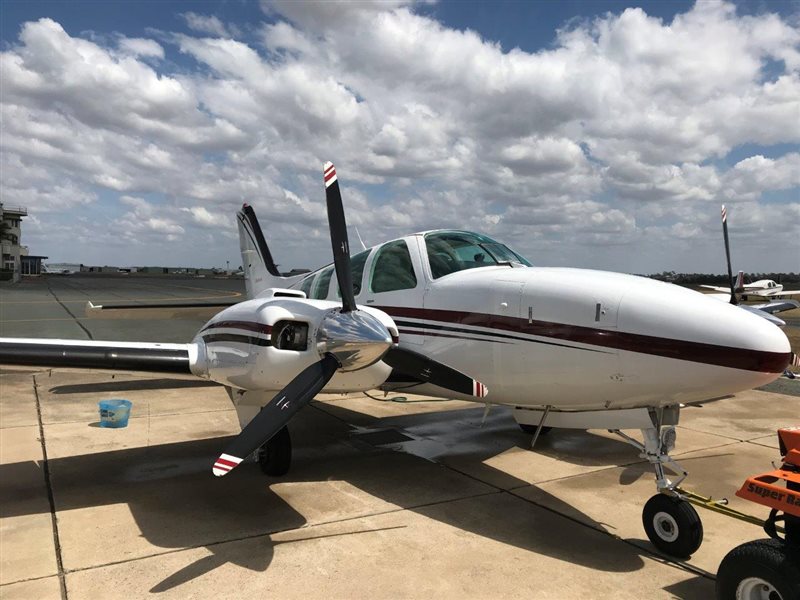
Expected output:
{"points": [[711, 278]]}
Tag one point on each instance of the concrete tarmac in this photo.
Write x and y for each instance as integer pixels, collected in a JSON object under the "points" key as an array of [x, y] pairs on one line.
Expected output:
{"points": [[388, 497]]}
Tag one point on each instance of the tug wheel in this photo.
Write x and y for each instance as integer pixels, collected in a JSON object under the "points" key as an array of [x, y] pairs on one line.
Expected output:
{"points": [[760, 570], [673, 525], [532, 429], [275, 457]]}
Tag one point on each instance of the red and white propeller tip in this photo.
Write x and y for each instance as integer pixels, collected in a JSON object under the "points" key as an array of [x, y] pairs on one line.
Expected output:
{"points": [[329, 173], [225, 464]]}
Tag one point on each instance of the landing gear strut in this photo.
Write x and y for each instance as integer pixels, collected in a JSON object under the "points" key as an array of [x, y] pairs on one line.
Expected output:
{"points": [[671, 523], [275, 457]]}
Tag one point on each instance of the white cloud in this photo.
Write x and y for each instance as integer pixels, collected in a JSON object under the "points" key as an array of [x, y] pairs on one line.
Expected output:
{"points": [[140, 47], [205, 24], [614, 135], [203, 217], [752, 176]]}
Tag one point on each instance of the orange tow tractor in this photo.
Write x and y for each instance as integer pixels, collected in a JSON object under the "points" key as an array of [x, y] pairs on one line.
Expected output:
{"points": [[767, 569]]}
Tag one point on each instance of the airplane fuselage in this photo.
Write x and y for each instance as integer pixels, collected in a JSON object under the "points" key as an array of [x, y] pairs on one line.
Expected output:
{"points": [[573, 339]]}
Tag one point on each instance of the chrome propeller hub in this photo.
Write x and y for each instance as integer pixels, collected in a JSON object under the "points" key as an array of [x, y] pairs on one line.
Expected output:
{"points": [[355, 338]]}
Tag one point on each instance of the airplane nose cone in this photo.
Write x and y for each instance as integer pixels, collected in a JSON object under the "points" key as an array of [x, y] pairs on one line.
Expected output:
{"points": [[717, 348]]}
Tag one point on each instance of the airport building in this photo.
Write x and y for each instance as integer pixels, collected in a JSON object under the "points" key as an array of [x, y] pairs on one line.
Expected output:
{"points": [[16, 259]]}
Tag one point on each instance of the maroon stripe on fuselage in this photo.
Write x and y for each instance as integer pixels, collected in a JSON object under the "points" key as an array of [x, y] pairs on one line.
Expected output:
{"points": [[449, 335], [246, 325], [711, 354]]}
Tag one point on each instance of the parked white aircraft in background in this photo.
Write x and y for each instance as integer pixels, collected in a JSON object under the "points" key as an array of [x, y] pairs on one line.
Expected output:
{"points": [[763, 288], [562, 347], [60, 268]]}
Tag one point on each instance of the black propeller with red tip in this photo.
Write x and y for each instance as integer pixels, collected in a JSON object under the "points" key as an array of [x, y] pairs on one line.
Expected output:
{"points": [[339, 242], [734, 300], [350, 339]]}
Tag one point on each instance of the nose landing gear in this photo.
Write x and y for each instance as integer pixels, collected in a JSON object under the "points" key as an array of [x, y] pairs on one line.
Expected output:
{"points": [[671, 522]]}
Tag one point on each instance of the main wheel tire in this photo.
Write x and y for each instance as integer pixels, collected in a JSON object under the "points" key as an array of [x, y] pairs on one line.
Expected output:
{"points": [[763, 569], [673, 525], [275, 457], [532, 429]]}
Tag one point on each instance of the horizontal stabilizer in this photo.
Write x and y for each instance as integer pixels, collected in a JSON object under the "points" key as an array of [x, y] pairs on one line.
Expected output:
{"points": [[125, 356]]}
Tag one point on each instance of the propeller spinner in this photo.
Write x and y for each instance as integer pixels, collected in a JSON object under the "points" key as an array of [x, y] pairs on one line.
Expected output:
{"points": [[348, 339]]}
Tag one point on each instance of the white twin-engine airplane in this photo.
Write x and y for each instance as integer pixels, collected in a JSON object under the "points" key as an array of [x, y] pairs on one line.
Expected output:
{"points": [[763, 288], [458, 315]]}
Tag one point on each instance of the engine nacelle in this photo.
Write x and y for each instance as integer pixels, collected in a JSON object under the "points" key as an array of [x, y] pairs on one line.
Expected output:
{"points": [[264, 343]]}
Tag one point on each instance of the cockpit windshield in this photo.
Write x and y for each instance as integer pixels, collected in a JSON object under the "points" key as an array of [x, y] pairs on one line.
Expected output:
{"points": [[451, 251]]}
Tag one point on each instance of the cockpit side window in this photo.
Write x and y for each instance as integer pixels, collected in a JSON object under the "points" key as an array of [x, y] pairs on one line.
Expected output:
{"points": [[392, 268], [451, 251], [322, 284], [305, 285], [357, 263]]}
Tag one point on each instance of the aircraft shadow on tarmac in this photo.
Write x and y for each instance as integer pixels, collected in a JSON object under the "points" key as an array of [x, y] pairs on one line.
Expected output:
{"points": [[177, 503]]}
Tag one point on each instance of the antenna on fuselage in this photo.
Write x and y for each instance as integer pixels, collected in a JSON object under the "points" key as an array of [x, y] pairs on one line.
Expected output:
{"points": [[360, 241]]}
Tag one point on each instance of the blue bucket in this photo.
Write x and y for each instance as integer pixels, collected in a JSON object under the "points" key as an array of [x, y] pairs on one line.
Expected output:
{"points": [[114, 413]]}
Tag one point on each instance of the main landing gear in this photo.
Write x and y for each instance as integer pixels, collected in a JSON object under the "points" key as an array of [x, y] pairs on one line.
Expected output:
{"points": [[275, 457], [670, 521]]}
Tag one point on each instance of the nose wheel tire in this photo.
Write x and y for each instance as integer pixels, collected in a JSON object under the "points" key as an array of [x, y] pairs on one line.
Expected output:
{"points": [[760, 570], [673, 525], [275, 457]]}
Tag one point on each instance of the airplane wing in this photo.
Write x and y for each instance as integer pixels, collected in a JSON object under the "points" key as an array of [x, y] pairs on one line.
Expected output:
{"points": [[197, 310], [716, 288], [770, 294], [765, 311], [777, 306], [126, 356]]}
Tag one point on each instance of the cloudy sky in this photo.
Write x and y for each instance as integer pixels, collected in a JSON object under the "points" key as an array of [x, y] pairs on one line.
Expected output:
{"points": [[598, 134]]}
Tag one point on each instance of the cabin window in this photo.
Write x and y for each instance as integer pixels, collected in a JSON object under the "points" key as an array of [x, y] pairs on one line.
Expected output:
{"points": [[392, 269], [451, 251], [322, 284], [305, 285], [357, 263]]}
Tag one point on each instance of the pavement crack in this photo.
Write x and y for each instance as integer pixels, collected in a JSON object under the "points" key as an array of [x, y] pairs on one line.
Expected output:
{"points": [[69, 312], [50, 498]]}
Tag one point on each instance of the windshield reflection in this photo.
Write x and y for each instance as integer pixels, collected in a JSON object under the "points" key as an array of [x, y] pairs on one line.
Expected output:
{"points": [[452, 251]]}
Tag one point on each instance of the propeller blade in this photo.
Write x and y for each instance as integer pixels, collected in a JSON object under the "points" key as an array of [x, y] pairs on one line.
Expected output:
{"points": [[339, 243], [277, 413], [733, 300], [428, 370]]}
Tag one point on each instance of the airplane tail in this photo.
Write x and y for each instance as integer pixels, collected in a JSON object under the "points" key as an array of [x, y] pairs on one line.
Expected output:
{"points": [[260, 270], [739, 286]]}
